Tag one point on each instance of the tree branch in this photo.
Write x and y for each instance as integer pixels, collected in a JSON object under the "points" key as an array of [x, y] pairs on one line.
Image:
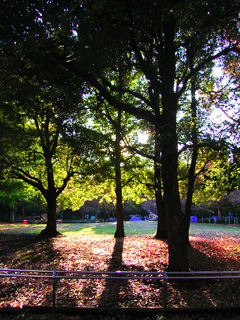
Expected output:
{"points": [[123, 90], [139, 113], [26, 177], [211, 145], [202, 64], [65, 182]]}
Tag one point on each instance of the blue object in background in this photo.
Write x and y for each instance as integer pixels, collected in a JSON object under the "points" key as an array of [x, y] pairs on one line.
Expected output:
{"points": [[136, 218], [215, 218], [194, 219]]}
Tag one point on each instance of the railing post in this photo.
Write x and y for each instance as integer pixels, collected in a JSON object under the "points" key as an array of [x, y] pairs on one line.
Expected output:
{"points": [[54, 291], [165, 276]]}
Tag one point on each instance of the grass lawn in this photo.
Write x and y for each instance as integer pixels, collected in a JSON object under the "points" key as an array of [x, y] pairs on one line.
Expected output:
{"points": [[108, 228], [93, 247]]}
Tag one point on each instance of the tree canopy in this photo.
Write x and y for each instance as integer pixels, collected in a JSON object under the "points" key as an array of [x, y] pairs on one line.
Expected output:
{"points": [[57, 53]]}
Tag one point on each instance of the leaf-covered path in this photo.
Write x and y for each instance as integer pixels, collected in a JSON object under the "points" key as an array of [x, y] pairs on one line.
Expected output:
{"points": [[209, 251]]}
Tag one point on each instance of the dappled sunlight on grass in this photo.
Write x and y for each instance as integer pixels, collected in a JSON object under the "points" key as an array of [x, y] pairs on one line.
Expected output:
{"points": [[21, 228], [89, 230], [131, 228]]}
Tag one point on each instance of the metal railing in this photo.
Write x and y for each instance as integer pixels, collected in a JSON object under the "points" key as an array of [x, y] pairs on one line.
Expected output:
{"points": [[166, 277]]}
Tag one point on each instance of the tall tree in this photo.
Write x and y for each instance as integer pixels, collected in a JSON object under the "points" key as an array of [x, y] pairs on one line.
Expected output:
{"points": [[37, 146], [119, 130], [153, 37], [118, 178], [157, 37]]}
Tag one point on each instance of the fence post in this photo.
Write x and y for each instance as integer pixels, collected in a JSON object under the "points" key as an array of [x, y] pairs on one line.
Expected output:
{"points": [[54, 291], [165, 294]]}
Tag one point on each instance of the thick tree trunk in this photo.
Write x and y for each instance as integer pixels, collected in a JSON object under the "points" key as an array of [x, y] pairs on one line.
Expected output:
{"points": [[50, 194], [118, 179], [119, 233], [176, 241], [162, 232], [51, 227]]}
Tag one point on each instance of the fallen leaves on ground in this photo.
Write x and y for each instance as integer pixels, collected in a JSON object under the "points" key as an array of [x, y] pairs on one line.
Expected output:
{"points": [[105, 253]]}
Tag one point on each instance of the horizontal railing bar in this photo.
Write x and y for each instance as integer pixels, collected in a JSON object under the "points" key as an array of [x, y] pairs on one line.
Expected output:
{"points": [[167, 274], [112, 272], [24, 276], [80, 272], [25, 270], [77, 277], [118, 278], [124, 275], [122, 272]]}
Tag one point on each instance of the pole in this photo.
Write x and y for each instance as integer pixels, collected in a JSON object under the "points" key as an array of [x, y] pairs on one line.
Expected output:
{"points": [[54, 291]]}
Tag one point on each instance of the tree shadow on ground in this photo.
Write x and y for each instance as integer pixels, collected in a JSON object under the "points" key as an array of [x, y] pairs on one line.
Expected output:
{"points": [[111, 294], [206, 293], [130, 292], [116, 293], [27, 252]]}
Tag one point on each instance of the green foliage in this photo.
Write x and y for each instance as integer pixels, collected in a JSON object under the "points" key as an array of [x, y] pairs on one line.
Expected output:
{"points": [[220, 177], [35, 205], [13, 192]]}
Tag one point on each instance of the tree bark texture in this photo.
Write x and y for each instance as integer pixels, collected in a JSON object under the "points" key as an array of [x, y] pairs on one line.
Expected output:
{"points": [[188, 209], [119, 233], [51, 228], [162, 229], [51, 197], [176, 240], [194, 137]]}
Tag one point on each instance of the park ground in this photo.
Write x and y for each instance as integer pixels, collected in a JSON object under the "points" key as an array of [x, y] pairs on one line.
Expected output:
{"points": [[93, 247]]}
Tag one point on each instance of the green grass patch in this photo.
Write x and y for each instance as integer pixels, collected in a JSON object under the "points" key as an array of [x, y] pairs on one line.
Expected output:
{"points": [[131, 228], [214, 229], [22, 228]]}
